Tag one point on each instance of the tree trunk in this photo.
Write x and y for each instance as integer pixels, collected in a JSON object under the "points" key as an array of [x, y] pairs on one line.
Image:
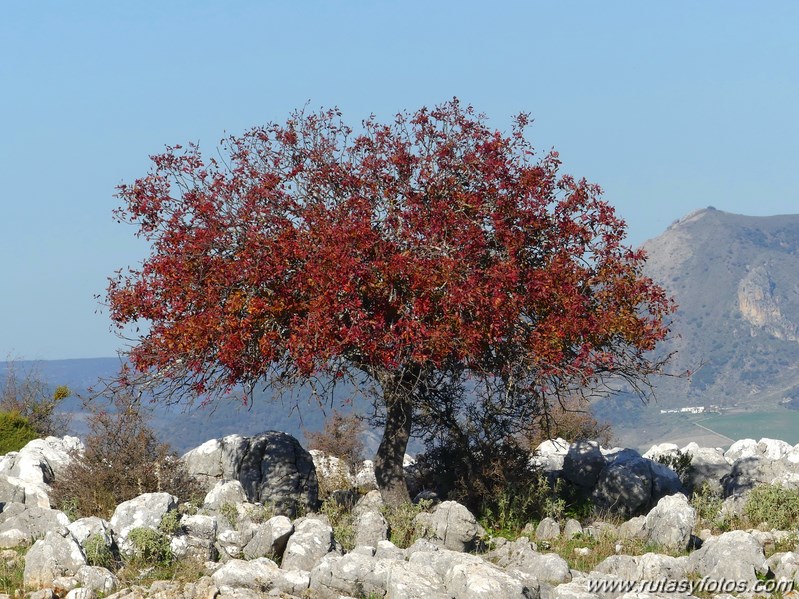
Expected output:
{"points": [[389, 472]]}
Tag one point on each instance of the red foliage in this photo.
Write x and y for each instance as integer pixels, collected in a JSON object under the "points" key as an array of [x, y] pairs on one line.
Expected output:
{"points": [[421, 244]]}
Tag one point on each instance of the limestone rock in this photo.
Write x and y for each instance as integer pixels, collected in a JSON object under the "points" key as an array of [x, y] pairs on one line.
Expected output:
{"points": [[670, 522], [277, 471], [583, 463], [312, 540], [58, 554], [451, 524], [145, 511], [270, 539]]}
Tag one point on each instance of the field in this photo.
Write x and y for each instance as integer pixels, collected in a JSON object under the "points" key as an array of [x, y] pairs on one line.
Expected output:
{"points": [[646, 427], [775, 423]]}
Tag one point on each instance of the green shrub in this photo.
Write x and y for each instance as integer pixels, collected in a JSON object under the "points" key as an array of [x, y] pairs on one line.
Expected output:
{"points": [[492, 479], [98, 553], [15, 432], [402, 531], [707, 504], [230, 513], [11, 572], [678, 461], [30, 397], [775, 505], [150, 548], [341, 519]]}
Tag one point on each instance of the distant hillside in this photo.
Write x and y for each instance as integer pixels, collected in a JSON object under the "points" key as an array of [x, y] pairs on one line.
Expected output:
{"points": [[736, 281], [186, 427]]}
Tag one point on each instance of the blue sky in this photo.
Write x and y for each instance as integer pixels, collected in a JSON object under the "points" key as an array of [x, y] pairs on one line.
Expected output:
{"points": [[670, 106]]}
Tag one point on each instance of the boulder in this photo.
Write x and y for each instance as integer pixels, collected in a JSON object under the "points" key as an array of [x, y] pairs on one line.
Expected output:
{"points": [[583, 463], [773, 449], [257, 575], [365, 476], [354, 574], [144, 511], [41, 460], [572, 528], [58, 554], [277, 471], [661, 450], [217, 459], [708, 467], [751, 471], [370, 528], [734, 555], [406, 580], [521, 555], [452, 524], [84, 528], [98, 580], [21, 524], [634, 528], [743, 448], [26, 475], [577, 589], [670, 522], [631, 484], [333, 470], [198, 541], [547, 530], [270, 539], [371, 502], [481, 579], [550, 456], [224, 492], [388, 550], [16, 490], [311, 541], [650, 566]]}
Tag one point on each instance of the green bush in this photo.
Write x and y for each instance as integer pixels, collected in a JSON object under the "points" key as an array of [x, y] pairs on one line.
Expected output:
{"points": [[402, 530], [341, 520], [679, 462], [15, 432], [150, 548], [707, 504], [27, 395], [98, 553], [12, 568], [775, 505]]}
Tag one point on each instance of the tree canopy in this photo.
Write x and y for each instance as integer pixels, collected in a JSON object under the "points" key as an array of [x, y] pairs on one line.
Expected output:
{"points": [[412, 252]]}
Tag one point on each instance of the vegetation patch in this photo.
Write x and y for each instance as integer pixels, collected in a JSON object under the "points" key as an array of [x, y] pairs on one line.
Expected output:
{"points": [[15, 432], [775, 505]]}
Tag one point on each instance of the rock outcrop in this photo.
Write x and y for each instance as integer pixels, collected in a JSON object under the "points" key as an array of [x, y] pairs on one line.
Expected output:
{"points": [[244, 554]]}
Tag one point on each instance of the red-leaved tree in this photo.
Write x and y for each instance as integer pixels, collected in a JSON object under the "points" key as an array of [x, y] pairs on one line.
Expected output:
{"points": [[416, 253]]}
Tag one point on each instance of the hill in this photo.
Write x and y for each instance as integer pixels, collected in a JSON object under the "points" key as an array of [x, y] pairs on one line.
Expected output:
{"points": [[735, 279], [185, 427]]}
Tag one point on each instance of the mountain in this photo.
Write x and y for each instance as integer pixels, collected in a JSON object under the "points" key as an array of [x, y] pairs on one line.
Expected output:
{"points": [[735, 279]]}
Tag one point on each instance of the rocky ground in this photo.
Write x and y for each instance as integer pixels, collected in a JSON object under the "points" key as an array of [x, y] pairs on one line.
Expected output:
{"points": [[256, 534]]}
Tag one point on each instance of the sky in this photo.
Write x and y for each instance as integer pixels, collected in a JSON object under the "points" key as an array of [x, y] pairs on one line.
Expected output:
{"points": [[669, 106]]}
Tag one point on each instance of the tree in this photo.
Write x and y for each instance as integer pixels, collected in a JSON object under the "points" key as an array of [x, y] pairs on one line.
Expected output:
{"points": [[417, 255]]}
